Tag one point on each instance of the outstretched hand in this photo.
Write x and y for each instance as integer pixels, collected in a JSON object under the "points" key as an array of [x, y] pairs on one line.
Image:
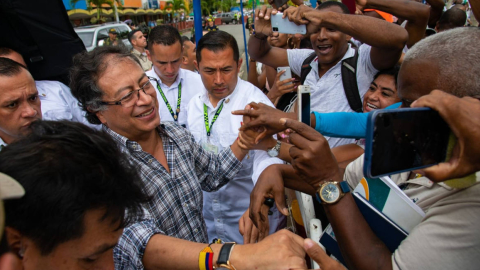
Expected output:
{"points": [[269, 185], [311, 155], [264, 116], [463, 117]]}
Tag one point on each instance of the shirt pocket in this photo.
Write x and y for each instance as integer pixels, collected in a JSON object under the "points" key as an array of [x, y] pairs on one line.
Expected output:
{"points": [[57, 114]]}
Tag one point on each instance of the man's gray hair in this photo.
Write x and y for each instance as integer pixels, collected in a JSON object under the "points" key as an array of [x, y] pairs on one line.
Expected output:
{"points": [[456, 53], [85, 73]]}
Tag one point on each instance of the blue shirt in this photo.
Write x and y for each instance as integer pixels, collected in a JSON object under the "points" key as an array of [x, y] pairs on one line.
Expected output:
{"points": [[344, 124]]}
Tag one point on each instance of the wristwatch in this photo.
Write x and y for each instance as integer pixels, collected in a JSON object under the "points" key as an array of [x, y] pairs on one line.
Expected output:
{"points": [[273, 152], [223, 261], [331, 192]]}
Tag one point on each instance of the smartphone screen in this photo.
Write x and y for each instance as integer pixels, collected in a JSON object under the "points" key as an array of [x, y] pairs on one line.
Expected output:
{"points": [[404, 140], [304, 104]]}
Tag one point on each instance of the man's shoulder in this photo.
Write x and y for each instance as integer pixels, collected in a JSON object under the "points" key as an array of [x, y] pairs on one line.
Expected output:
{"points": [[151, 73], [190, 75], [174, 130], [251, 91]]}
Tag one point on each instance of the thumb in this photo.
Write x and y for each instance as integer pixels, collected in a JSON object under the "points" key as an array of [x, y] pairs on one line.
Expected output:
{"points": [[315, 251], [279, 197], [261, 136]]}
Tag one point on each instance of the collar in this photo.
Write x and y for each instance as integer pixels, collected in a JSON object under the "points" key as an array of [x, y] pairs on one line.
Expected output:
{"points": [[137, 53], [349, 54], [2, 144], [178, 80], [129, 144], [204, 97]]}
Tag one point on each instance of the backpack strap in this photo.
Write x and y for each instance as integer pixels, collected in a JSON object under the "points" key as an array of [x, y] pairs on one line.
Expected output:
{"points": [[287, 99], [350, 86], [306, 67]]}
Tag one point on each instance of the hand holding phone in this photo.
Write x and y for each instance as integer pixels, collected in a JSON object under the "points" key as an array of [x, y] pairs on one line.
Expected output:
{"points": [[287, 74], [303, 99], [404, 140], [284, 25]]}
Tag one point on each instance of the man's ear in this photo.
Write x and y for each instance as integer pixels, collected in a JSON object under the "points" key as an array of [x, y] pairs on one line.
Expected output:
{"points": [[196, 65], [101, 117], [184, 60], [148, 55], [239, 66], [14, 239]]}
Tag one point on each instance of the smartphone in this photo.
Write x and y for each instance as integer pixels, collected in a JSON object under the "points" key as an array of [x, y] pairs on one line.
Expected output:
{"points": [[401, 140], [283, 25], [303, 101], [286, 75]]}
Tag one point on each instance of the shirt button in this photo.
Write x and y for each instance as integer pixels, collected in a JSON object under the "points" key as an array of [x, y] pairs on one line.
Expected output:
{"points": [[196, 230], [134, 147], [215, 201], [150, 161], [185, 204], [218, 220]]}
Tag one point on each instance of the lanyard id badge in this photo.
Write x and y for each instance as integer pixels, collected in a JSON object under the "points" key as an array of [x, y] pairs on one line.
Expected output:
{"points": [[207, 145], [179, 101]]}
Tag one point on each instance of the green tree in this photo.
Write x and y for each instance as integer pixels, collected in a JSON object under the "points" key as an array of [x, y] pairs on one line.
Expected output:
{"points": [[98, 4], [178, 4]]}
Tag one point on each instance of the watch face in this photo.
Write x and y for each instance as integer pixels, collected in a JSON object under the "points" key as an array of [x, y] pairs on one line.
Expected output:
{"points": [[330, 193], [272, 152]]}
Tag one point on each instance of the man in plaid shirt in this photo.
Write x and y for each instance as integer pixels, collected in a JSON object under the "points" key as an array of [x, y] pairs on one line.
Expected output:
{"points": [[173, 167]]}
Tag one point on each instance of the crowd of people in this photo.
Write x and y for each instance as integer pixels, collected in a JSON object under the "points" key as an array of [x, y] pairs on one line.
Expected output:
{"points": [[163, 158]]}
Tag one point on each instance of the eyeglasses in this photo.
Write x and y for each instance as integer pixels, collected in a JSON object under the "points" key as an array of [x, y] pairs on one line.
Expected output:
{"points": [[130, 99]]}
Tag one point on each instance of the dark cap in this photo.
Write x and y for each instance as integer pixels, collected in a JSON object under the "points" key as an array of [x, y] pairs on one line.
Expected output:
{"points": [[112, 31]]}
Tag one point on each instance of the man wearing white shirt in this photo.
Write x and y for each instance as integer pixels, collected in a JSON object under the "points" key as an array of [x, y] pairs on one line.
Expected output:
{"points": [[330, 27], [57, 101], [175, 86], [214, 127], [19, 102]]}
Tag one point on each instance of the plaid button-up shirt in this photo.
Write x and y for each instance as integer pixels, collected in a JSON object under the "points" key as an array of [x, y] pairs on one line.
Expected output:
{"points": [[176, 206]]}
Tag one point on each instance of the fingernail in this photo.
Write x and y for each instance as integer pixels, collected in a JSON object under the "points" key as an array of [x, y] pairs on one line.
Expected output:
{"points": [[309, 243], [283, 121], [282, 136], [241, 123], [266, 17]]}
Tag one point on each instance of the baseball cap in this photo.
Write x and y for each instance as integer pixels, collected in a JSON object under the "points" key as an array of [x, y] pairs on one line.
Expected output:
{"points": [[112, 31], [10, 188]]}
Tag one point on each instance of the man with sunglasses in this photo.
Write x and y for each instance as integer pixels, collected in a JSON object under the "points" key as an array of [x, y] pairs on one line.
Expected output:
{"points": [[113, 89]]}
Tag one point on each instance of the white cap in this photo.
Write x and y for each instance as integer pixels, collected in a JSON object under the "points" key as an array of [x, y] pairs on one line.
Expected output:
{"points": [[10, 188]]}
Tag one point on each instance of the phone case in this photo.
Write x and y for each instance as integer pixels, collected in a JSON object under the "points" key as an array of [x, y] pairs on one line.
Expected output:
{"points": [[369, 142], [285, 26], [286, 75]]}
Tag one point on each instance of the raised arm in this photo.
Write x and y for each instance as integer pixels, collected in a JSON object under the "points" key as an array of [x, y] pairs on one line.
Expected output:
{"points": [[258, 47], [415, 13], [387, 39], [436, 11]]}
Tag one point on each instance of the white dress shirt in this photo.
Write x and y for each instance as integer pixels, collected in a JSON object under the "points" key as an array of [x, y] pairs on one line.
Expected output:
{"points": [[2, 144], [58, 103], [191, 84], [328, 94], [222, 209]]}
